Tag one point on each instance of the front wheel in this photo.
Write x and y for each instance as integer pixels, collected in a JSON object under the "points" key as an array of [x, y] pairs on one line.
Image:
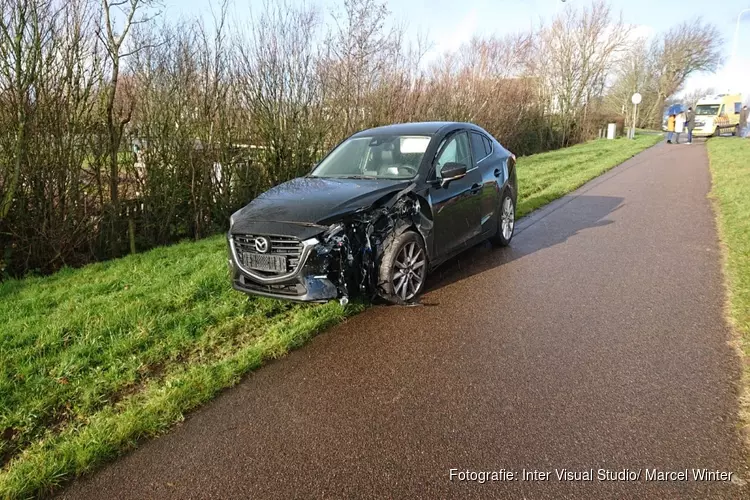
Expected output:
{"points": [[507, 222], [403, 268]]}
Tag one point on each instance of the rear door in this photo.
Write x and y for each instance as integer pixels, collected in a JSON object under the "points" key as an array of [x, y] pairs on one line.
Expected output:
{"points": [[456, 207]]}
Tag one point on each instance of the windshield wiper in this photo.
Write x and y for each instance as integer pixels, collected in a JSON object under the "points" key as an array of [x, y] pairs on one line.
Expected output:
{"points": [[356, 177]]}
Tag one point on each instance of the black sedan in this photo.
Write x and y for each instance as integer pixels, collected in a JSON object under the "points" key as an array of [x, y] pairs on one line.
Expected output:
{"points": [[376, 214]]}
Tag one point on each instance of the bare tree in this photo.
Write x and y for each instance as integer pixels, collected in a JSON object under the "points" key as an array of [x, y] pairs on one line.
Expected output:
{"points": [[360, 50], [691, 98], [632, 74], [114, 37], [24, 30], [281, 94], [687, 48], [575, 54]]}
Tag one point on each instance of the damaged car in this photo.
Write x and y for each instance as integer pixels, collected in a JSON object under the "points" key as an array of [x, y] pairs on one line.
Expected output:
{"points": [[379, 212]]}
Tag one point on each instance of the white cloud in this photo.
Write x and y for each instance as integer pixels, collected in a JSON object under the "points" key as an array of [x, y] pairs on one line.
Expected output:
{"points": [[462, 34], [639, 31], [453, 40], [733, 77]]}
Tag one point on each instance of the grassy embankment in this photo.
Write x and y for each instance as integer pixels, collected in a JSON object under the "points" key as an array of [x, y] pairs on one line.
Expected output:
{"points": [[730, 170], [93, 360]]}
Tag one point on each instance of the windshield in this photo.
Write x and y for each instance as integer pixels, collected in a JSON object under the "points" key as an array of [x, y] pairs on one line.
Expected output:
{"points": [[707, 110], [375, 157]]}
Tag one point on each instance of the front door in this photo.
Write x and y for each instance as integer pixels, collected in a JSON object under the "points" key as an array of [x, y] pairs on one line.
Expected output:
{"points": [[457, 206], [493, 173]]}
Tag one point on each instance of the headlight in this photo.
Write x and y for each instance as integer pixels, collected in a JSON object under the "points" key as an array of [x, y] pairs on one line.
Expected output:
{"points": [[333, 230]]}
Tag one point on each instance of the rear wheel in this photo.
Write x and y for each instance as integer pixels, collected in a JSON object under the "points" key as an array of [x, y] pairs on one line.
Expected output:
{"points": [[403, 268], [507, 222]]}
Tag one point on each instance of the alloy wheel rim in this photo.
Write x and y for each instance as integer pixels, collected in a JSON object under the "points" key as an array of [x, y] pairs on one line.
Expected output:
{"points": [[409, 271], [508, 218]]}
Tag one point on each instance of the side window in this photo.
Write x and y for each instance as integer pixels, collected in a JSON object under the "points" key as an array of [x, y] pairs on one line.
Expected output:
{"points": [[487, 145], [477, 146], [721, 111], [737, 108], [456, 151]]}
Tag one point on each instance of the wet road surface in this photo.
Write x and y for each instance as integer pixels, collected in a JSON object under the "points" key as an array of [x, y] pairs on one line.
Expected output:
{"points": [[596, 341]]}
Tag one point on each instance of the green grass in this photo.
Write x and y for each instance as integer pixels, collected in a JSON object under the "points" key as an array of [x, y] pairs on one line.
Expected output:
{"points": [[730, 170], [94, 360], [545, 177]]}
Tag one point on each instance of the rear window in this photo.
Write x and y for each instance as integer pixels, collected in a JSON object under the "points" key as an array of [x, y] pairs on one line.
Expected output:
{"points": [[477, 146], [487, 145], [481, 146]]}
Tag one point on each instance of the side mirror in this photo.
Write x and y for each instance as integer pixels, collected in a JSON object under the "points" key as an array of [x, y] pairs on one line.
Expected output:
{"points": [[451, 171]]}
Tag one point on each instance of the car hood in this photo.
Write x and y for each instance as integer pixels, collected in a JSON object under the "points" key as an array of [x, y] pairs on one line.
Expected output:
{"points": [[305, 206]]}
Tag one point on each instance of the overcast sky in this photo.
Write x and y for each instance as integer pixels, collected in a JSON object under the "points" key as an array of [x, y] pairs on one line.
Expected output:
{"points": [[449, 23]]}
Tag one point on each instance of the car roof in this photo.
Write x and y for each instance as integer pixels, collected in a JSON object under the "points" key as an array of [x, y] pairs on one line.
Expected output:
{"points": [[415, 128], [719, 98]]}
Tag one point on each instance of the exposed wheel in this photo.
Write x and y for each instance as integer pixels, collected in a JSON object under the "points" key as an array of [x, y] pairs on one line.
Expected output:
{"points": [[403, 268], [716, 132], [507, 222], [736, 131]]}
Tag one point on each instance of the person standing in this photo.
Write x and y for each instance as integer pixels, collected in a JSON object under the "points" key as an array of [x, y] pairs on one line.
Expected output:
{"points": [[679, 126], [744, 126], [670, 128], [690, 124]]}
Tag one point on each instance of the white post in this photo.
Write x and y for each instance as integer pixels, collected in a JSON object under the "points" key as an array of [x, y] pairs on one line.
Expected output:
{"points": [[636, 100], [736, 34]]}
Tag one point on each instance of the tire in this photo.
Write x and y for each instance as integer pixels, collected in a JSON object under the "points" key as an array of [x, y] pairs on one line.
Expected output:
{"points": [[716, 132], [506, 222], [402, 270], [736, 131]]}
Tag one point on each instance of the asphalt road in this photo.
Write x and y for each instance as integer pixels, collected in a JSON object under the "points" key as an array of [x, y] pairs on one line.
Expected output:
{"points": [[595, 342]]}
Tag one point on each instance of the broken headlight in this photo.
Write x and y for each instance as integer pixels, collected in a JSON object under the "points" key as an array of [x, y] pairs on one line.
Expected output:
{"points": [[333, 230]]}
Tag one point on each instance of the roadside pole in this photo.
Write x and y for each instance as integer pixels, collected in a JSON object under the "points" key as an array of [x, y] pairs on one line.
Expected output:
{"points": [[636, 100]]}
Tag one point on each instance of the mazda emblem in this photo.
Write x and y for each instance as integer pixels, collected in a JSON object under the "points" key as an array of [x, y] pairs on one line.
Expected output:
{"points": [[261, 244]]}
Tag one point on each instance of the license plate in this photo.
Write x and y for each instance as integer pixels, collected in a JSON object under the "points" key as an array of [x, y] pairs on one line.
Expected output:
{"points": [[263, 262]]}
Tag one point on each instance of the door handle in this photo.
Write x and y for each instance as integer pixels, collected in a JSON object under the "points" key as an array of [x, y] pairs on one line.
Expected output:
{"points": [[475, 188], [497, 172]]}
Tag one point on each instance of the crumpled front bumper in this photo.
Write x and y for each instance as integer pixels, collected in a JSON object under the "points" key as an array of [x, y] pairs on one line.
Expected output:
{"points": [[308, 283]]}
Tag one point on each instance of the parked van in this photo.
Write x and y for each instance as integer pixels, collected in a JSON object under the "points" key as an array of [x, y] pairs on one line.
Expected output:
{"points": [[715, 114]]}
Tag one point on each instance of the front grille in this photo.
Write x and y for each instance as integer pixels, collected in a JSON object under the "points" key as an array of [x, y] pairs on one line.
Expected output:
{"points": [[288, 246]]}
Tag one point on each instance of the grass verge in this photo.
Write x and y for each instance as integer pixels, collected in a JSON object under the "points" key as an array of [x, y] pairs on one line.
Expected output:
{"points": [[96, 359], [730, 171]]}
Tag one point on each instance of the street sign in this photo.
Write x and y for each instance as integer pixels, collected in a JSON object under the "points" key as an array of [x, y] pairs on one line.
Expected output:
{"points": [[636, 99]]}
